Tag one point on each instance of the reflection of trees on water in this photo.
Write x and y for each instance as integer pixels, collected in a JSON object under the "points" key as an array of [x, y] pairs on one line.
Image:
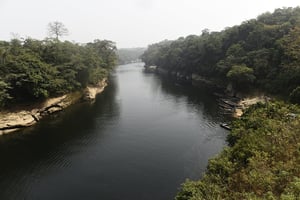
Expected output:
{"points": [[48, 144], [195, 98], [56, 145], [202, 102]]}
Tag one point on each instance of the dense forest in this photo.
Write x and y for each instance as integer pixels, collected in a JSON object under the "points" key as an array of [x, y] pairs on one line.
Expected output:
{"points": [[32, 70], [261, 53], [261, 162], [128, 55]]}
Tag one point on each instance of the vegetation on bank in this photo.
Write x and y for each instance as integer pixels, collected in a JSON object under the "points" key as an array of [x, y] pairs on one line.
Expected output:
{"points": [[260, 53], [261, 162], [128, 55], [32, 70]]}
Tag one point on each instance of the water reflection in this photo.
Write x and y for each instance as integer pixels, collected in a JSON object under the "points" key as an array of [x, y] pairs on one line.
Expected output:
{"points": [[33, 152], [140, 140]]}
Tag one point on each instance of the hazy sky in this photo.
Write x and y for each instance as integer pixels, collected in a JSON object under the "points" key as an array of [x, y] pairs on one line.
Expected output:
{"points": [[129, 23]]}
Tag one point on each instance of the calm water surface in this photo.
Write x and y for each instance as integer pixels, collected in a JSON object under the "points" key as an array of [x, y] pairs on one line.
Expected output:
{"points": [[140, 140]]}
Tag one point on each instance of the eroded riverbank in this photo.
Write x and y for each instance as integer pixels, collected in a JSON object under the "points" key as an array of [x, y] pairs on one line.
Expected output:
{"points": [[26, 116]]}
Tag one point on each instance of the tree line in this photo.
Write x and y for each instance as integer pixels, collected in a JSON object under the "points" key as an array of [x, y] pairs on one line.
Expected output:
{"points": [[260, 53], [128, 55], [32, 70]]}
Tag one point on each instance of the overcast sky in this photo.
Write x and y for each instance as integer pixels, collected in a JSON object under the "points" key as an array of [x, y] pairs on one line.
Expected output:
{"points": [[129, 23]]}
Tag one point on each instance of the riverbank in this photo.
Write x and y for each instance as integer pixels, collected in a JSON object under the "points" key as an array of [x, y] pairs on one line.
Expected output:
{"points": [[236, 107], [264, 128], [228, 103], [26, 116], [261, 162], [188, 78], [245, 103]]}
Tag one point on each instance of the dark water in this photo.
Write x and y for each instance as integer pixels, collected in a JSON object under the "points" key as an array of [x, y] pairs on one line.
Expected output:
{"points": [[140, 140]]}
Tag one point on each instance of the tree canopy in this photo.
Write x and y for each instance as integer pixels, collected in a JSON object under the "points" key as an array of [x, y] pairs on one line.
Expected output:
{"points": [[261, 162], [268, 45], [35, 69], [263, 157], [128, 55]]}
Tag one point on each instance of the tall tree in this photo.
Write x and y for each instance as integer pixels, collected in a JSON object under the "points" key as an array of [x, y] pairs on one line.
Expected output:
{"points": [[57, 29]]}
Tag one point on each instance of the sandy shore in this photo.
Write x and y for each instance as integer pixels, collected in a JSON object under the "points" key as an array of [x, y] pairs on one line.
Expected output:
{"points": [[247, 102]]}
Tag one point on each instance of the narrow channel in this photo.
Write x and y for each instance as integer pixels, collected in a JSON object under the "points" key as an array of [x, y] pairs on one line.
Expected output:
{"points": [[139, 141]]}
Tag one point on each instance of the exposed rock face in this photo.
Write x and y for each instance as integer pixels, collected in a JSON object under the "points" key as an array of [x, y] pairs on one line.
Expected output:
{"points": [[12, 121], [91, 92]]}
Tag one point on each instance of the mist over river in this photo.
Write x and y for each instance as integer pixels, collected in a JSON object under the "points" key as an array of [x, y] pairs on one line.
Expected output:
{"points": [[140, 139]]}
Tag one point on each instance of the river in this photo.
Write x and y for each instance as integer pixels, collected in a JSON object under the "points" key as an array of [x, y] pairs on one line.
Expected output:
{"points": [[139, 141]]}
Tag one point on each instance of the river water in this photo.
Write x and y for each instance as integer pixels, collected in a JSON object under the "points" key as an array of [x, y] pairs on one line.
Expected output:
{"points": [[139, 141]]}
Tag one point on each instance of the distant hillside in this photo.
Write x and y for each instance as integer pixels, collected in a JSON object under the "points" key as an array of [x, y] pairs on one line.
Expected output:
{"points": [[260, 53], [128, 55]]}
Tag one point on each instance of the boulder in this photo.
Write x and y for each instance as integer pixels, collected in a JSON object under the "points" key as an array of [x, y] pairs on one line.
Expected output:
{"points": [[91, 92]]}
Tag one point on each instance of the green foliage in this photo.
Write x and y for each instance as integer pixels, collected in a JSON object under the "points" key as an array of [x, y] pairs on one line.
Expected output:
{"points": [[292, 190], [129, 55], [153, 54], [262, 162], [4, 96], [269, 45], [241, 75], [106, 50], [32, 69], [192, 190], [97, 74], [295, 95]]}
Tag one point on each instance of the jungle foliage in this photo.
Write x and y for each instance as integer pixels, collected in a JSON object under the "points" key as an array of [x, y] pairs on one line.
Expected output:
{"points": [[128, 55], [31, 69], [259, 53], [261, 162]]}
